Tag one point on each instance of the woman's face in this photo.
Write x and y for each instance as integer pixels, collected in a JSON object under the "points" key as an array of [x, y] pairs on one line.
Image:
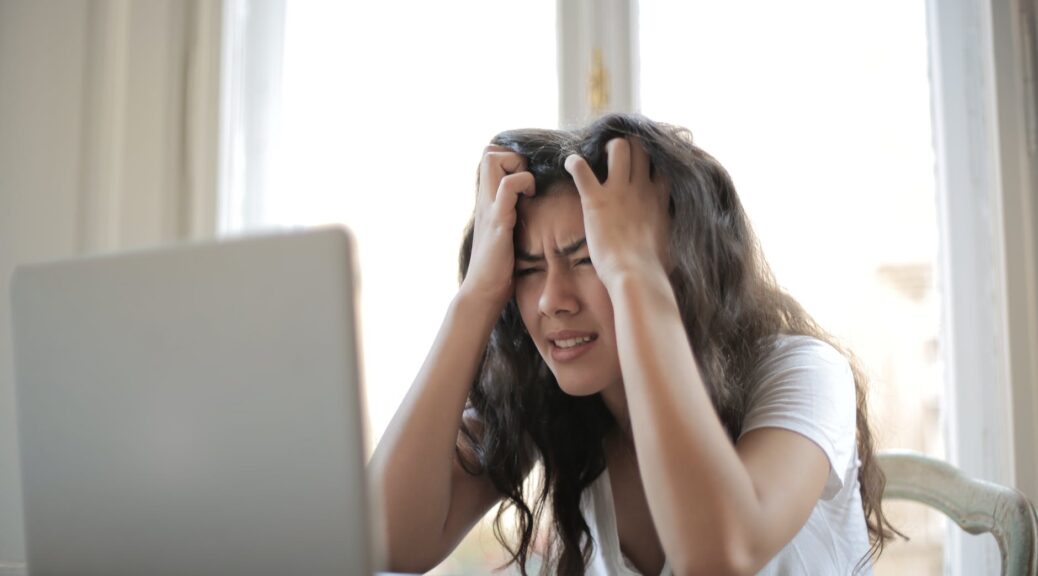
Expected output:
{"points": [[563, 304]]}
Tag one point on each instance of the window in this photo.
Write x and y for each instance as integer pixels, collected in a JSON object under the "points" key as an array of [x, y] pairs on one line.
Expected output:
{"points": [[821, 111]]}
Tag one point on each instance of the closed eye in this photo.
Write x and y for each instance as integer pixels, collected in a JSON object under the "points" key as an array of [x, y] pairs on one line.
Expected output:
{"points": [[585, 260], [526, 272]]}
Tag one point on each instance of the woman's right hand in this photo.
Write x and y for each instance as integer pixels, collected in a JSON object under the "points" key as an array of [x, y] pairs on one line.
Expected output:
{"points": [[502, 178]]}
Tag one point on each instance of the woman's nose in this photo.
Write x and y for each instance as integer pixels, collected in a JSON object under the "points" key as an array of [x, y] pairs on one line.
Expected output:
{"points": [[558, 295]]}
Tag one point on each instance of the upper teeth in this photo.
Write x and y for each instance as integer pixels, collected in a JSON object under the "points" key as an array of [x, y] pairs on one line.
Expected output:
{"points": [[571, 342]]}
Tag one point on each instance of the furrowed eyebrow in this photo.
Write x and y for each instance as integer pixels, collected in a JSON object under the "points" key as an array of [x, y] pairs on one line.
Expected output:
{"points": [[567, 250]]}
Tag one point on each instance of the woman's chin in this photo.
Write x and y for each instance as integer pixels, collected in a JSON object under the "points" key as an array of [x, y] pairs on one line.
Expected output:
{"points": [[578, 388]]}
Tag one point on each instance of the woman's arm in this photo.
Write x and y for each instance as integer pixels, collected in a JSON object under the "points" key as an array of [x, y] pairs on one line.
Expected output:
{"points": [[430, 501], [718, 508]]}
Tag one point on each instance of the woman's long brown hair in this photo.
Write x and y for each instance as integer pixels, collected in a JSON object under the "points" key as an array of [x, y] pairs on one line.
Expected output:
{"points": [[731, 308]]}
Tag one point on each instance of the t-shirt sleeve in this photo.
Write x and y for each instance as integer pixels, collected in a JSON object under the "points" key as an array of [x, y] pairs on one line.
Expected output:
{"points": [[805, 385]]}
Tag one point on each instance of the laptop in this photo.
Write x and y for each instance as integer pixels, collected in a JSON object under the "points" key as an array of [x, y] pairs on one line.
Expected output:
{"points": [[194, 410]]}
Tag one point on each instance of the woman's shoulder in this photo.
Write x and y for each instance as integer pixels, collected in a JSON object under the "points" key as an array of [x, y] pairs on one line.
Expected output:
{"points": [[796, 361], [807, 385], [783, 345], [784, 352], [802, 377]]}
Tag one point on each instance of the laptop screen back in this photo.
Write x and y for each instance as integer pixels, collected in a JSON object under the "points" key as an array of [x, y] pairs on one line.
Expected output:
{"points": [[194, 410]]}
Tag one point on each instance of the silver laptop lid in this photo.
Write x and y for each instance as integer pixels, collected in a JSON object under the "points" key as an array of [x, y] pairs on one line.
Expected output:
{"points": [[194, 410]]}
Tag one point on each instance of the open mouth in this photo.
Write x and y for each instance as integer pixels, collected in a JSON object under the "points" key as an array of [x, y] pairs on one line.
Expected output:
{"points": [[572, 342], [568, 346]]}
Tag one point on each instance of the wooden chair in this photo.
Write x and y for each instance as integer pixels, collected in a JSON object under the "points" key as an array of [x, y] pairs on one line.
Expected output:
{"points": [[975, 505]]}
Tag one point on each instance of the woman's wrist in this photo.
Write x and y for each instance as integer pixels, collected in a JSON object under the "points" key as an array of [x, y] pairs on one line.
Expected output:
{"points": [[640, 278], [475, 308]]}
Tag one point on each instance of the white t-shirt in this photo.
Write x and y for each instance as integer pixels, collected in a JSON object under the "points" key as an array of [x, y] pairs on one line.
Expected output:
{"points": [[806, 386]]}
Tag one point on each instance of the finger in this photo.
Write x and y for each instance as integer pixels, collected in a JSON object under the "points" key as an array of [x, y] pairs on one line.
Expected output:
{"points": [[509, 190], [510, 163], [583, 177], [503, 157], [496, 164], [481, 170], [618, 159], [518, 183], [639, 161]]}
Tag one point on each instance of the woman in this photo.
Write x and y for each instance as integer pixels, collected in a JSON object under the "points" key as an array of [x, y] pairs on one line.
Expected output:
{"points": [[617, 323]]}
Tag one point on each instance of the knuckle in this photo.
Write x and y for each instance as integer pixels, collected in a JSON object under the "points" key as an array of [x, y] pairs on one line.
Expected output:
{"points": [[492, 148], [513, 184], [507, 181], [491, 157], [491, 161], [516, 182], [505, 159]]}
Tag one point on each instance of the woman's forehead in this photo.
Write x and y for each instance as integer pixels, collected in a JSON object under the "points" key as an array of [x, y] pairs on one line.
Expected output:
{"points": [[555, 217]]}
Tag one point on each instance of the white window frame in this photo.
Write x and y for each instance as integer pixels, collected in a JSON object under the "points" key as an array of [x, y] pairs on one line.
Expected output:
{"points": [[984, 132], [1015, 55]]}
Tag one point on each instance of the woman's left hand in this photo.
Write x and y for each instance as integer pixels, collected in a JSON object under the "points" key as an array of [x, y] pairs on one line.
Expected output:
{"points": [[625, 218]]}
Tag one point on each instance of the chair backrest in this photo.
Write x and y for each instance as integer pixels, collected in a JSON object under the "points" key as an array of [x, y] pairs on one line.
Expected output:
{"points": [[975, 505]]}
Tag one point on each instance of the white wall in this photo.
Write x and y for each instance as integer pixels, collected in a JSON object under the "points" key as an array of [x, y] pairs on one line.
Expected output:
{"points": [[107, 141]]}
